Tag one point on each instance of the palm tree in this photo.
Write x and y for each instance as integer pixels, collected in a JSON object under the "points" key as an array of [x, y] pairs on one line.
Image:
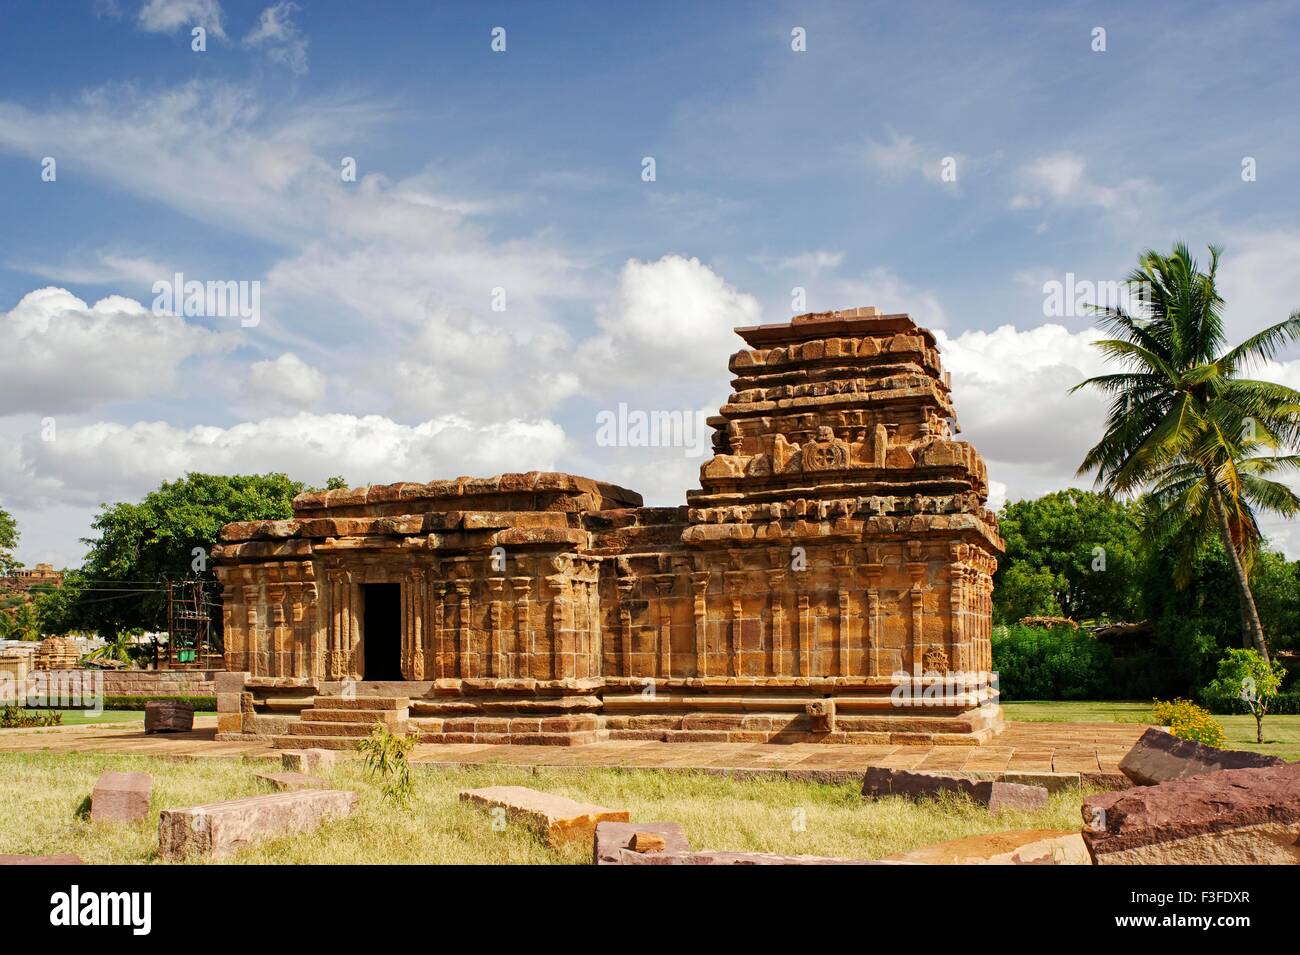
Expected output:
{"points": [[1186, 427]]}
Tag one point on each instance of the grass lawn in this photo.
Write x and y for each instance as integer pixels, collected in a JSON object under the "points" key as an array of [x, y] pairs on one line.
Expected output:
{"points": [[1281, 733], [43, 797]]}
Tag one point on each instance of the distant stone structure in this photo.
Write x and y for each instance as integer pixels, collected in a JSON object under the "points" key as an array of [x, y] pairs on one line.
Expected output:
{"points": [[57, 653], [830, 580], [27, 578]]}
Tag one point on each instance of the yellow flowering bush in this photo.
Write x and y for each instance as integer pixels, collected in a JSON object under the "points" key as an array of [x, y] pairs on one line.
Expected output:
{"points": [[1186, 720]]}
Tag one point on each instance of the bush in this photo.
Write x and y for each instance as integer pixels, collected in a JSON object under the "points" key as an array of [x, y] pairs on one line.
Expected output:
{"points": [[16, 717], [1056, 664], [1186, 720], [386, 761], [200, 703]]}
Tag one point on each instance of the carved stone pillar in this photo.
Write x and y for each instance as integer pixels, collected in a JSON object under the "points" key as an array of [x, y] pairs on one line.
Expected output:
{"points": [[465, 638], [278, 639], [626, 586], [664, 585], [844, 623], [699, 591], [419, 618], [805, 649], [873, 574], [496, 616], [250, 622], [521, 659], [777, 599], [735, 585], [557, 585]]}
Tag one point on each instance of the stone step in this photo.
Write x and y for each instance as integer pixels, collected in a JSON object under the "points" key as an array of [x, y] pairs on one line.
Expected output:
{"points": [[317, 742], [362, 702], [353, 730], [369, 717]]}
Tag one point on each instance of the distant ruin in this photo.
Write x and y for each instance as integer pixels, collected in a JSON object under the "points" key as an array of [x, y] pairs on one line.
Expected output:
{"points": [[830, 580]]}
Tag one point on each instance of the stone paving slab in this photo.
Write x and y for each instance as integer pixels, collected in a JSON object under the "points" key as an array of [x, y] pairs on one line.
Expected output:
{"points": [[1022, 747]]}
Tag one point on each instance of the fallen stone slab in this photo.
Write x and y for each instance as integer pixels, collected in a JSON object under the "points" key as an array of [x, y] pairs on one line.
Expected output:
{"points": [[1159, 757], [628, 857], [308, 760], [557, 819], [289, 782], [1232, 817], [997, 796], [613, 837], [168, 716], [64, 859], [1011, 847], [219, 829], [121, 797]]}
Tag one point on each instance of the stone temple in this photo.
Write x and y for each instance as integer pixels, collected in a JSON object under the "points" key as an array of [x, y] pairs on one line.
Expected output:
{"points": [[829, 581]]}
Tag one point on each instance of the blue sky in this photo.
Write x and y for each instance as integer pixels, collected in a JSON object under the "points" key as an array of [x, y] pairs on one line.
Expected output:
{"points": [[378, 354]]}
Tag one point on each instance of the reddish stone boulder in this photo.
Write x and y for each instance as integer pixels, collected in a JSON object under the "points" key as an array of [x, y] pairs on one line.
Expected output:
{"points": [[557, 819], [1236, 816], [1158, 757], [218, 829], [997, 796], [612, 838], [121, 797], [288, 782], [168, 716]]}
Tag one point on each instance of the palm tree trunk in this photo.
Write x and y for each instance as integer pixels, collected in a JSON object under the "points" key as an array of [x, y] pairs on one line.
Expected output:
{"points": [[1253, 628]]}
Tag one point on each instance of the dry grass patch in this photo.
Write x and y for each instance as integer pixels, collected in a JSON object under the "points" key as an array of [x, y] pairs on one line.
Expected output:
{"points": [[43, 795]]}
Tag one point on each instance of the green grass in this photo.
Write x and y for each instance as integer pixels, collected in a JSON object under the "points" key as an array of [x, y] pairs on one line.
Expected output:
{"points": [[1281, 733], [43, 795]]}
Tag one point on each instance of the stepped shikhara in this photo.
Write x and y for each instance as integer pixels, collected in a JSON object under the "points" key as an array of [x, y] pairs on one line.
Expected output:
{"points": [[830, 580]]}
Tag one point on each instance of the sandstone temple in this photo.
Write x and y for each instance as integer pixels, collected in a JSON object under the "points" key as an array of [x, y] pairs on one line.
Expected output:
{"points": [[830, 580]]}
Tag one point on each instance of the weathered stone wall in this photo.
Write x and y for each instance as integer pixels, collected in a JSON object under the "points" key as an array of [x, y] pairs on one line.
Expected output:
{"points": [[159, 682]]}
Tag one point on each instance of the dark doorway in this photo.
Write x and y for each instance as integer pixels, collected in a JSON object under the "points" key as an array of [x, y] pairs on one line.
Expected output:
{"points": [[383, 631]]}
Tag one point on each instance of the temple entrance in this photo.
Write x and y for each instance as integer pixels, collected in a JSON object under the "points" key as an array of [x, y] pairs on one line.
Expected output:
{"points": [[382, 606]]}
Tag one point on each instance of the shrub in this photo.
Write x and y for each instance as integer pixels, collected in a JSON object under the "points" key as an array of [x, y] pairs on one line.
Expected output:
{"points": [[1186, 720], [16, 717], [1057, 664], [386, 760]]}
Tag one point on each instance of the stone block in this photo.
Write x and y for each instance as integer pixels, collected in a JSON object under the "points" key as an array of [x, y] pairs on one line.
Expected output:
{"points": [[230, 722], [288, 782], [308, 760], [1232, 817], [997, 796], [121, 797], [221, 828], [229, 681], [1159, 757], [168, 716], [613, 837], [557, 819], [1012, 847], [821, 714]]}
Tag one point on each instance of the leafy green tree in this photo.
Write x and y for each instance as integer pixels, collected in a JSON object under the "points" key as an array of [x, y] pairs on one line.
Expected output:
{"points": [[1185, 424], [8, 543], [1071, 553], [169, 534], [1250, 679]]}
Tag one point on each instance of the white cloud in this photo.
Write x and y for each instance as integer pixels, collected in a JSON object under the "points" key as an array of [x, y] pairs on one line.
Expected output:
{"points": [[168, 16], [903, 156], [812, 263], [672, 318], [287, 382], [106, 461], [280, 37], [61, 355], [1062, 178]]}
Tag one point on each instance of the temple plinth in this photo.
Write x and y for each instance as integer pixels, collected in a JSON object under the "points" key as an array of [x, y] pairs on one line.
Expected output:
{"points": [[829, 580]]}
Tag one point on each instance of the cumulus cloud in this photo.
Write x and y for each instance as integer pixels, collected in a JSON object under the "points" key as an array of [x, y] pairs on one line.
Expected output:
{"points": [[107, 461], [286, 382], [168, 16], [61, 355], [672, 317]]}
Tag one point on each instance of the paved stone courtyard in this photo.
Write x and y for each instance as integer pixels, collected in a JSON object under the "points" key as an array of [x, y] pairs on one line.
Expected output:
{"points": [[1085, 748]]}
